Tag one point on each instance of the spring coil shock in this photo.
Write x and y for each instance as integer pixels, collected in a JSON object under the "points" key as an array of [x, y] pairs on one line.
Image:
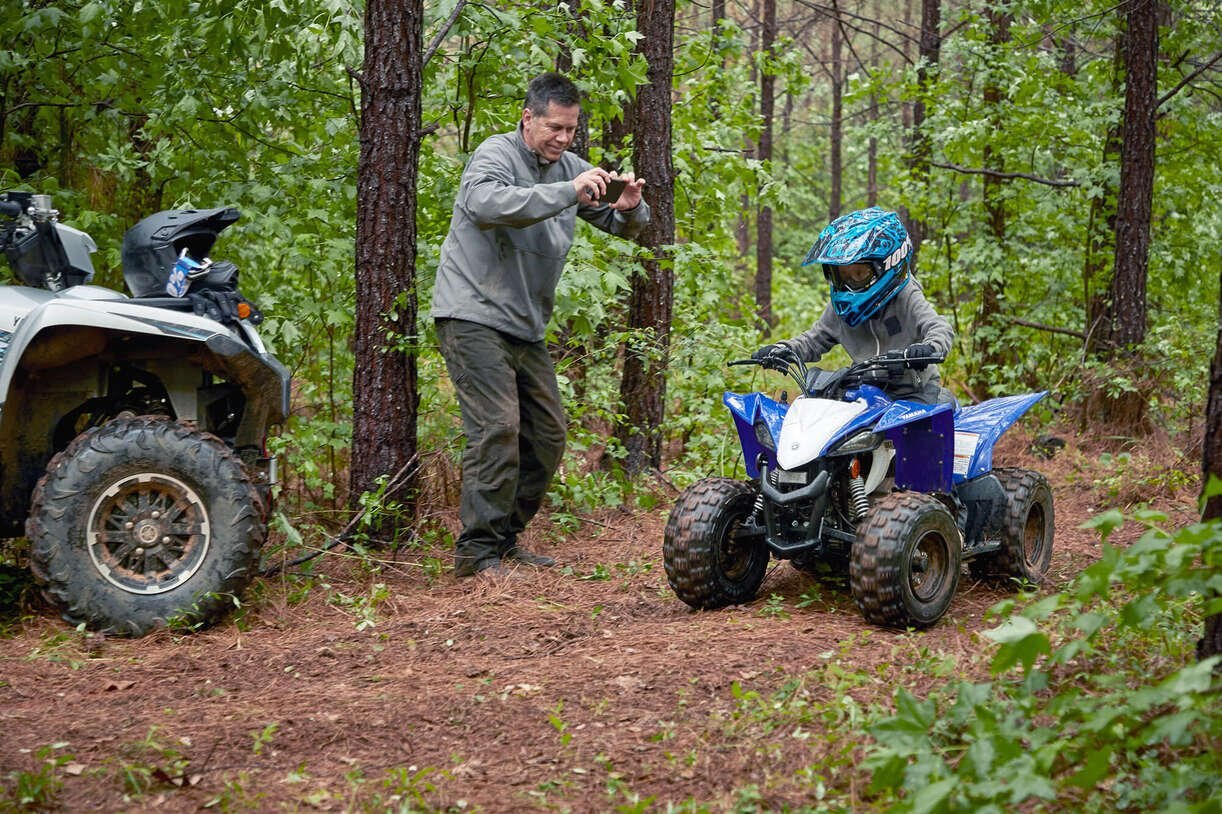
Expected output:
{"points": [[758, 507], [858, 504]]}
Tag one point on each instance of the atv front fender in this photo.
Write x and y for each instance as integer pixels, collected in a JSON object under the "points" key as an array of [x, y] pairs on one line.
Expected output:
{"points": [[747, 409]]}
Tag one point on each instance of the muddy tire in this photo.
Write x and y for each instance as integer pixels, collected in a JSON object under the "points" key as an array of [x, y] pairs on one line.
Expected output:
{"points": [[904, 567], [144, 522], [1027, 529], [707, 564]]}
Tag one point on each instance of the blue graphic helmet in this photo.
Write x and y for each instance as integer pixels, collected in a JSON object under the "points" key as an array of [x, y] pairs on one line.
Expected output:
{"points": [[873, 237]]}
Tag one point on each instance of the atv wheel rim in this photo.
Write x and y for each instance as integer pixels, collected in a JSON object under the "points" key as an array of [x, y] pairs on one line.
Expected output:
{"points": [[148, 533], [929, 567], [1033, 536], [735, 555]]}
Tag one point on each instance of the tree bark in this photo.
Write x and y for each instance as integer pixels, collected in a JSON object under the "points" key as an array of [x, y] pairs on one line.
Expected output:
{"points": [[992, 289], [1211, 644], [872, 146], [384, 391], [643, 386], [836, 134], [1127, 310], [930, 53], [763, 226]]}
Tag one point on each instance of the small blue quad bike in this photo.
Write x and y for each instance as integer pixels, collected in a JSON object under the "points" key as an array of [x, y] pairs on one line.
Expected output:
{"points": [[898, 493]]}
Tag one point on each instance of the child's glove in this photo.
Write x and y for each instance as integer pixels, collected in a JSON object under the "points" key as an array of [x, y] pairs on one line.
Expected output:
{"points": [[775, 356], [919, 356]]}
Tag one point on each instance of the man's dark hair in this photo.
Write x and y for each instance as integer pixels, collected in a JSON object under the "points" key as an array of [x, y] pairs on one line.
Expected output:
{"points": [[548, 88]]}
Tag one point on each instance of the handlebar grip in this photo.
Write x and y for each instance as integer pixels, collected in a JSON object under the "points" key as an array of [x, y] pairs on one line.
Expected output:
{"points": [[743, 362], [10, 209]]}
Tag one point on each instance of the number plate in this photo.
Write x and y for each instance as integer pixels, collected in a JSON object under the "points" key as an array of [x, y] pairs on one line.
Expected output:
{"points": [[798, 477]]}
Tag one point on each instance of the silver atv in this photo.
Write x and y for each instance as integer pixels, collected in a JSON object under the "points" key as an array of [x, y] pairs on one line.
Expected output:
{"points": [[132, 428]]}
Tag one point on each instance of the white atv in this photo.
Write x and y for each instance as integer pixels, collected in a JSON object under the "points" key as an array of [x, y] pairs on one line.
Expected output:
{"points": [[132, 429]]}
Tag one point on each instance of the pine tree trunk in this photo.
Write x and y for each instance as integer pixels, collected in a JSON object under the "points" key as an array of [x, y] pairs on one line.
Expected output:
{"points": [[836, 135], [992, 289], [384, 395], [1128, 292], [1211, 644], [763, 226], [643, 387], [930, 53]]}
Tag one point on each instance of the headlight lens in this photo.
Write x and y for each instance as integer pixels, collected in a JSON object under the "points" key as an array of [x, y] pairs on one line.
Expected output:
{"points": [[763, 436], [863, 441]]}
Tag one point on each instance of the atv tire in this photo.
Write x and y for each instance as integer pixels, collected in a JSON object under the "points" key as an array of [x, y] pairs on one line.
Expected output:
{"points": [[1026, 531], [707, 563], [144, 522], [904, 567]]}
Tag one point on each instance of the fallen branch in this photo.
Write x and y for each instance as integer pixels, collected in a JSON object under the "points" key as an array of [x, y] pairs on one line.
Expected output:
{"points": [[392, 486]]}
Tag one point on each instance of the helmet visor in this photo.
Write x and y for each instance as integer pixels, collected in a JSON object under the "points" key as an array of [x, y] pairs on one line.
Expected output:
{"points": [[853, 276]]}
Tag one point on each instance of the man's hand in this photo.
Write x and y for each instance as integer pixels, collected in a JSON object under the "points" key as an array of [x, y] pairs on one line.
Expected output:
{"points": [[630, 198], [592, 185]]}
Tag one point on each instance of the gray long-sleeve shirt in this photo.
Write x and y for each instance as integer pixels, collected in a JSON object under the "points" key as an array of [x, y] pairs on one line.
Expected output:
{"points": [[510, 231], [907, 319]]}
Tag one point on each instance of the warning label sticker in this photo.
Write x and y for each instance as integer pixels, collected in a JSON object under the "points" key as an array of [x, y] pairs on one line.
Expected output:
{"points": [[965, 450]]}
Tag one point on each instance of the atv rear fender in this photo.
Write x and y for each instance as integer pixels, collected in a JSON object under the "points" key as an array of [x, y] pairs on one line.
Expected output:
{"points": [[978, 427], [90, 324]]}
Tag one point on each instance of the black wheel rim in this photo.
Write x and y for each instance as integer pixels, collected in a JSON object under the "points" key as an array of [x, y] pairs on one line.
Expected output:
{"points": [[734, 554], [1033, 536], [929, 566], [148, 533]]}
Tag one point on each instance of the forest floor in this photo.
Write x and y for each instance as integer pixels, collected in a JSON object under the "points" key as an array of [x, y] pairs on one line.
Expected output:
{"points": [[588, 687]]}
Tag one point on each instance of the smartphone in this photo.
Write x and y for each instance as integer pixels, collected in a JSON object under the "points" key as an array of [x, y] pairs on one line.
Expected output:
{"points": [[615, 188]]}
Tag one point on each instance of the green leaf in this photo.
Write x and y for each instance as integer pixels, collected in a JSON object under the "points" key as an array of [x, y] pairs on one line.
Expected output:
{"points": [[1020, 641], [1105, 522], [1098, 765], [932, 797]]}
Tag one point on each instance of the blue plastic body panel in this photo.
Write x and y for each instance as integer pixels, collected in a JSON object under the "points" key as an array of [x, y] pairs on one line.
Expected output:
{"points": [[923, 437], [988, 420], [746, 408], [876, 404]]}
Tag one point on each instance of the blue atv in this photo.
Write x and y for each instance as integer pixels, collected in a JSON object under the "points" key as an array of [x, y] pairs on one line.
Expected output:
{"points": [[845, 478]]}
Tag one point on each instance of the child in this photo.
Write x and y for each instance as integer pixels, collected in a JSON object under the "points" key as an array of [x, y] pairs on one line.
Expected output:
{"points": [[877, 306]]}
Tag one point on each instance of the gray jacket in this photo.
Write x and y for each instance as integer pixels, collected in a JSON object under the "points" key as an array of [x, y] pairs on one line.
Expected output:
{"points": [[907, 319], [510, 231]]}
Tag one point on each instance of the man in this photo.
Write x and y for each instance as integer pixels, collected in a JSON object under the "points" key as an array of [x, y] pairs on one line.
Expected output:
{"points": [[510, 231]]}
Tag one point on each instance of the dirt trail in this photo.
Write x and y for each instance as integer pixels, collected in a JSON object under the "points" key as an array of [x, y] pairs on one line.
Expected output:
{"points": [[582, 688]]}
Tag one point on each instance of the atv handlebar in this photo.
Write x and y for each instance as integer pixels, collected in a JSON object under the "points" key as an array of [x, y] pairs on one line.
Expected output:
{"points": [[852, 376]]}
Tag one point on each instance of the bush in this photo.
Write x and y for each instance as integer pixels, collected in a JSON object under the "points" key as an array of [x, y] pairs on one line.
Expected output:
{"points": [[1097, 703]]}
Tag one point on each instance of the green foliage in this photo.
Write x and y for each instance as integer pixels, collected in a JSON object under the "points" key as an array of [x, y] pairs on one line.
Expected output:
{"points": [[1107, 710], [38, 788]]}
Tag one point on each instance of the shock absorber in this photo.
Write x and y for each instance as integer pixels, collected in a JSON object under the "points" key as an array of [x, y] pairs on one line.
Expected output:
{"points": [[858, 504]]}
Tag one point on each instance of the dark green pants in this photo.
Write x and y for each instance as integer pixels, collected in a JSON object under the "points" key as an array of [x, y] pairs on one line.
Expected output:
{"points": [[515, 426]]}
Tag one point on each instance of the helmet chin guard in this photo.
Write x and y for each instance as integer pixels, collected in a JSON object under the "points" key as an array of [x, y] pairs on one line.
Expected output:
{"points": [[874, 236]]}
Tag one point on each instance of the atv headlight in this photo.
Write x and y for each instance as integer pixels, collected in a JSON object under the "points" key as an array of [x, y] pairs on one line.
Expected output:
{"points": [[863, 441], [763, 436]]}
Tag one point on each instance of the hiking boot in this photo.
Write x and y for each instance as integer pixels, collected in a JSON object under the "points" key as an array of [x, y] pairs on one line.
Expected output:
{"points": [[468, 567], [517, 554]]}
